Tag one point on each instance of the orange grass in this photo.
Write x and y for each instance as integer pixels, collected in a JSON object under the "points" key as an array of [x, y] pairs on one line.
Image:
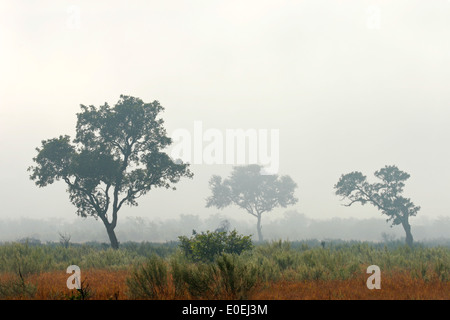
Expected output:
{"points": [[111, 285], [102, 284], [398, 286]]}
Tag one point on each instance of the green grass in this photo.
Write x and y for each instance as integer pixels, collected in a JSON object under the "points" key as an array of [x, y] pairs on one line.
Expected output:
{"points": [[269, 261], [49, 257]]}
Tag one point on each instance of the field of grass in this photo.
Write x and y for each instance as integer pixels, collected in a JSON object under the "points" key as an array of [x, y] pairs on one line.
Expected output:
{"points": [[276, 270]]}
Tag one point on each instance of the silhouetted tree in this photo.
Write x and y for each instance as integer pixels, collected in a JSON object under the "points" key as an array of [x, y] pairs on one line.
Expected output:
{"points": [[64, 239], [250, 190], [115, 158], [224, 226], [385, 195]]}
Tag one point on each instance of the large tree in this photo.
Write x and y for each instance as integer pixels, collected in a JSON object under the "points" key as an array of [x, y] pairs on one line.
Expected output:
{"points": [[116, 157], [248, 189], [385, 195]]}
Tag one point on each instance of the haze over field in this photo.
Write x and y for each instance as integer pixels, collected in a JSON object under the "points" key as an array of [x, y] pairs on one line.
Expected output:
{"points": [[350, 85]]}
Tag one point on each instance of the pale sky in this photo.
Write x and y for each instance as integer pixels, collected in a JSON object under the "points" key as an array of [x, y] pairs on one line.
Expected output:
{"points": [[351, 86]]}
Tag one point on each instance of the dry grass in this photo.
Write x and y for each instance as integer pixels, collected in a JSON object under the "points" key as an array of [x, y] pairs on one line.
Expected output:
{"points": [[99, 284], [398, 286], [111, 285]]}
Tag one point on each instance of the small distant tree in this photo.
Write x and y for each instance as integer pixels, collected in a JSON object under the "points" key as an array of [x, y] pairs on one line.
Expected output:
{"points": [[385, 195], [116, 157], [64, 239], [250, 190], [223, 226], [387, 237]]}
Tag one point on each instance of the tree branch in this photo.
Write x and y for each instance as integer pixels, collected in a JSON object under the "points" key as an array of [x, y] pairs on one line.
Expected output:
{"points": [[351, 202], [377, 204], [91, 198], [107, 197], [249, 209]]}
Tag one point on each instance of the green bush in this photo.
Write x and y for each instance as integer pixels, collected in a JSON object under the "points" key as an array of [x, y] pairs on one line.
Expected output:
{"points": [[199, 280], [150, 280], [17, 288], [206, 247], [237, 277], [228, 277]]}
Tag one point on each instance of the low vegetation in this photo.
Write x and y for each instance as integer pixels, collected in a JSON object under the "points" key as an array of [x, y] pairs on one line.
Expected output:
{"points": [[207, 246], [177, 270]]}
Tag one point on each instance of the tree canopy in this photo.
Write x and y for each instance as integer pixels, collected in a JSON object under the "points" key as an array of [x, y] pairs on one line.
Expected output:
{"points": [[116, 157], [248, 189], [385, 195]]}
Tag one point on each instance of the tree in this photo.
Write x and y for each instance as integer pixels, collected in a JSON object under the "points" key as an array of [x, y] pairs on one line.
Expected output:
{"points": [[250, 190], [115, 158], [385, 195]]}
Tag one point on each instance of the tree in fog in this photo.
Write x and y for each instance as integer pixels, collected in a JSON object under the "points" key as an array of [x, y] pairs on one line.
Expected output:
{"points": [[248, 189], [115, 158], [385, 195]]}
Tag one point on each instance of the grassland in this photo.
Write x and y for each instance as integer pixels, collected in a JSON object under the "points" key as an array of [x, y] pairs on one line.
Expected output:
{"points": [[276, 270]]}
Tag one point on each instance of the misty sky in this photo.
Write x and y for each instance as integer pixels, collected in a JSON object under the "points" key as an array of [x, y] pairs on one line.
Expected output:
{"points": [[351, 85]]}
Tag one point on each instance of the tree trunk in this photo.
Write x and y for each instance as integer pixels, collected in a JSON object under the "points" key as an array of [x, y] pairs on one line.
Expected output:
{"points": [[112, 237], [409, 237], [258, 227], [110, 226]]}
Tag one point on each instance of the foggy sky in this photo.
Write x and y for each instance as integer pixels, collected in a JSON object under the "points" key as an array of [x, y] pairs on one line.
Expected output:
{"points": [[346, 95]]}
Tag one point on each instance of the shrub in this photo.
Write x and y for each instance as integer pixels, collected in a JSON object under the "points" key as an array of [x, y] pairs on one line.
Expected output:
{"points": [[198, 279], [237, 277], [83, 293], [17, 288], [206, 247], [150, 280], [229, 277]]}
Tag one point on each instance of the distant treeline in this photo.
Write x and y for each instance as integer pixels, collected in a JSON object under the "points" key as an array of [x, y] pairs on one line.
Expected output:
{"points": [[291, 226]]}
